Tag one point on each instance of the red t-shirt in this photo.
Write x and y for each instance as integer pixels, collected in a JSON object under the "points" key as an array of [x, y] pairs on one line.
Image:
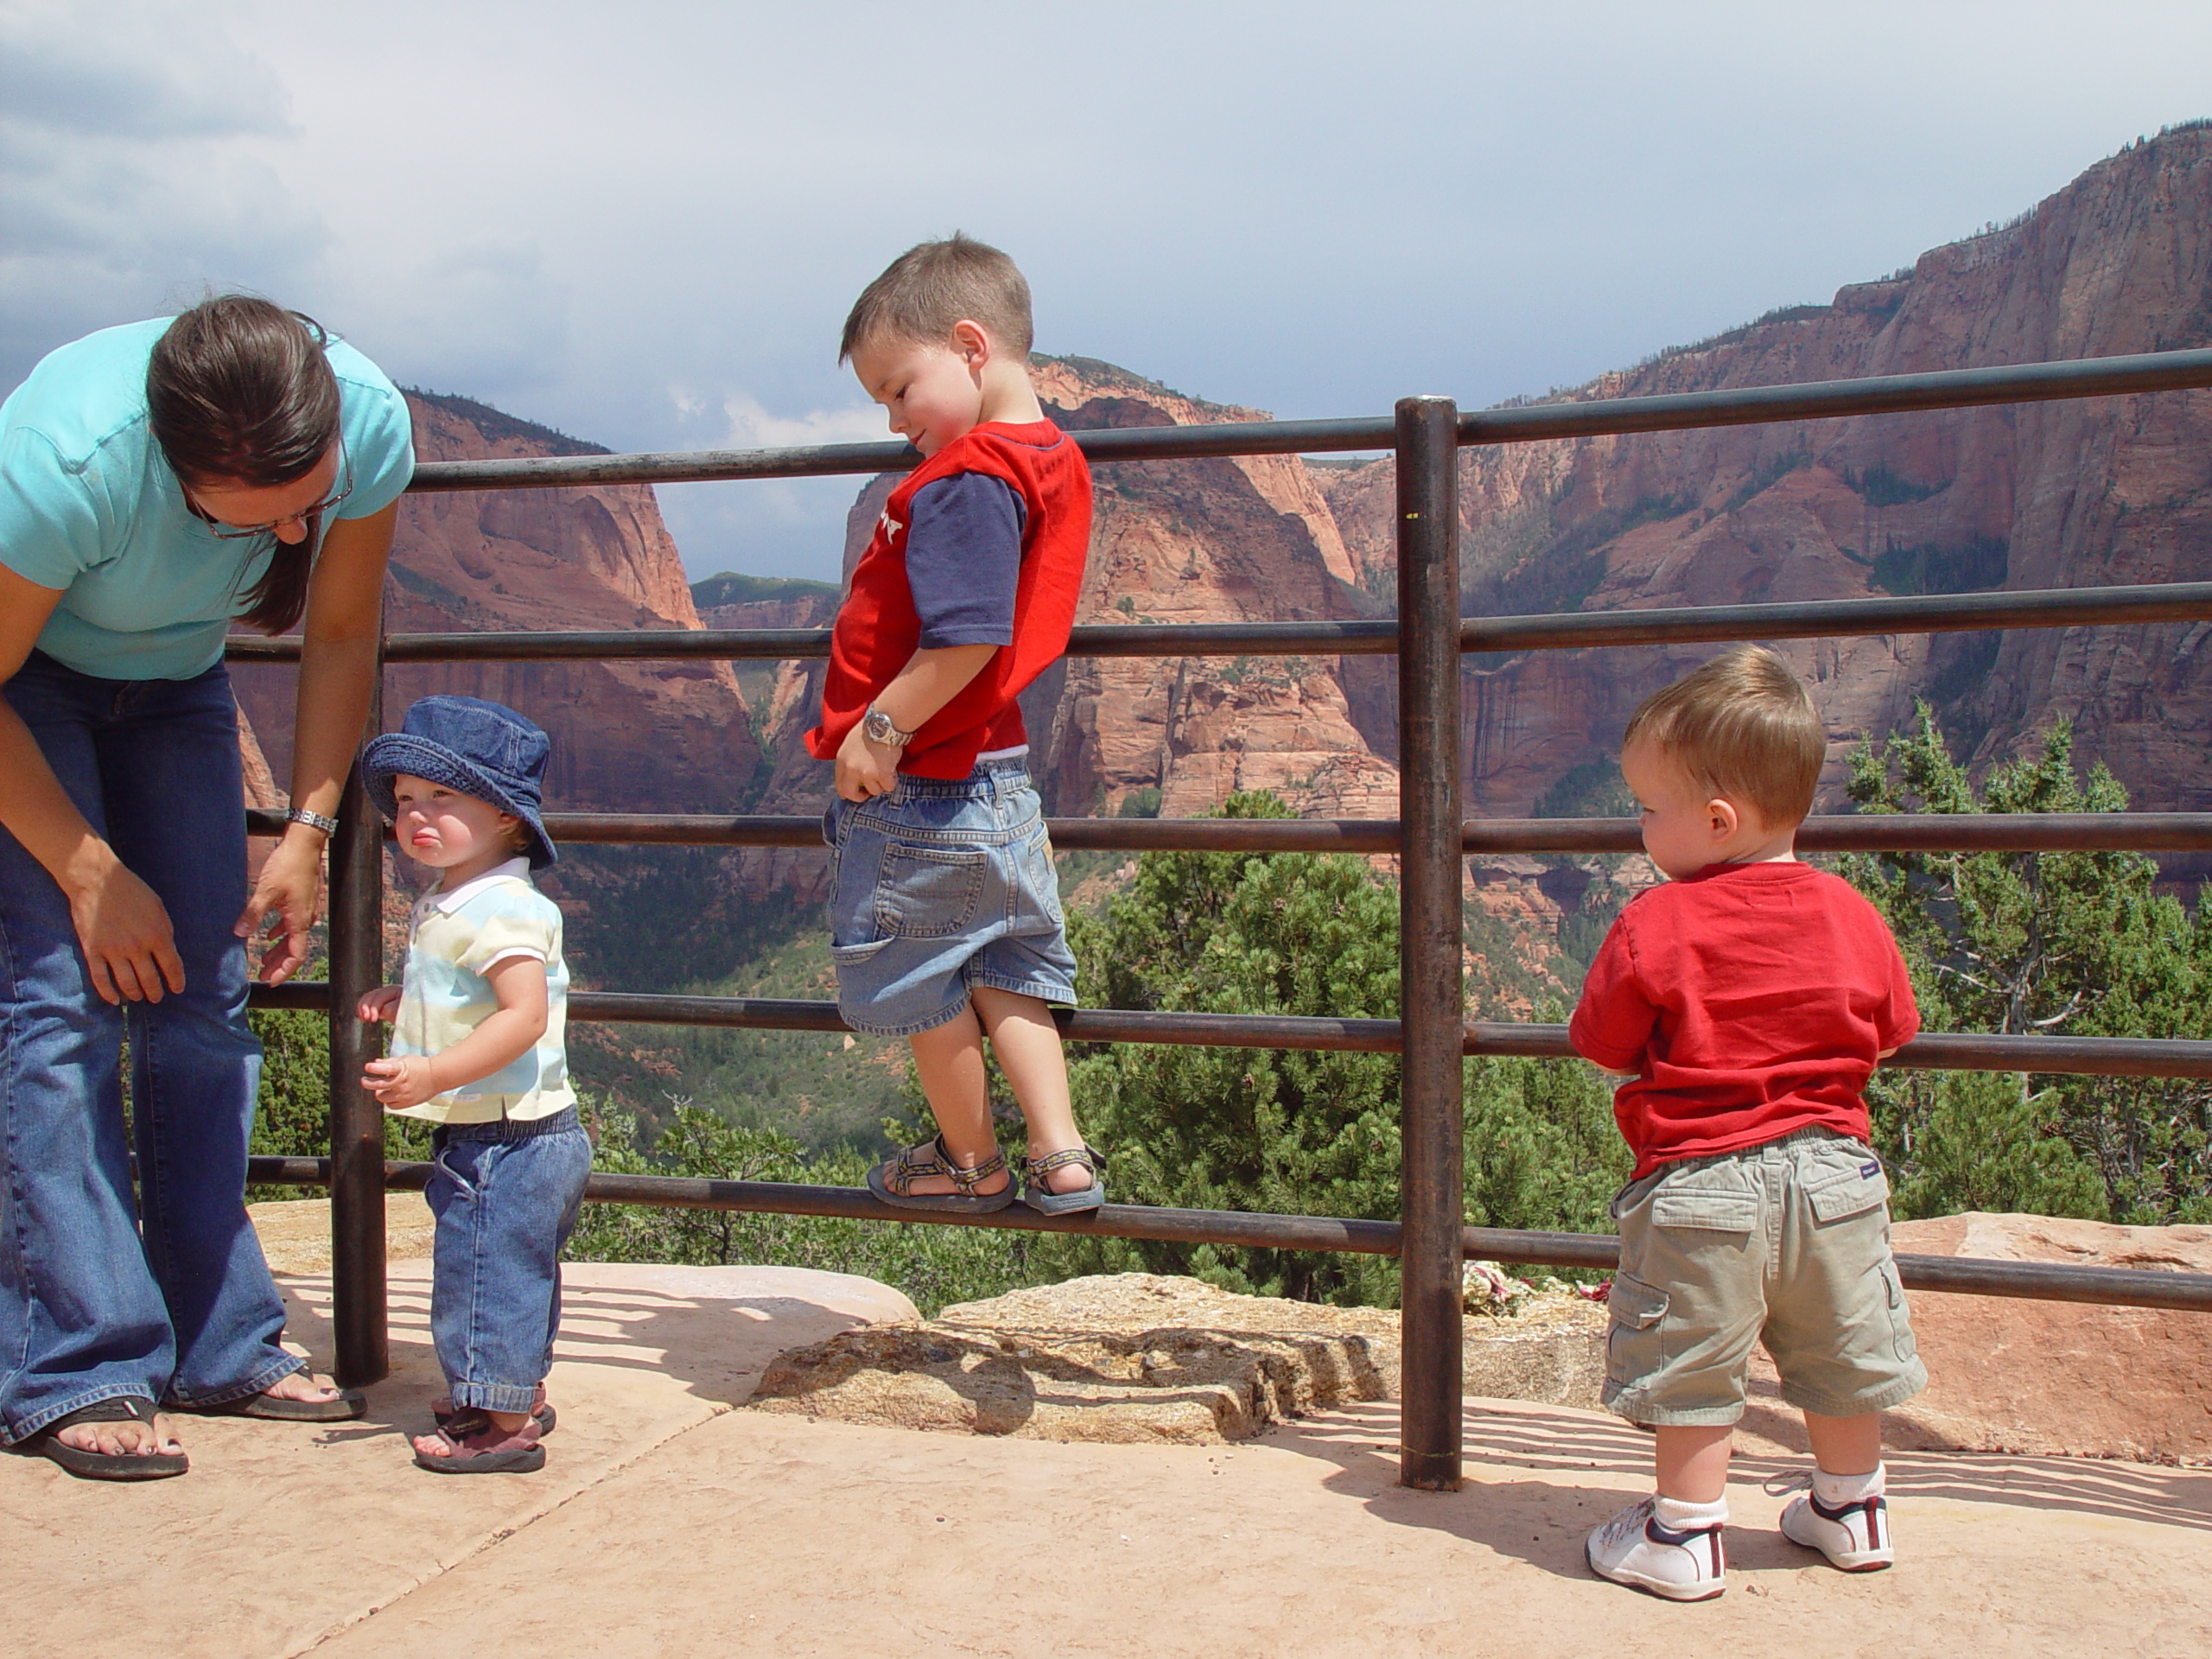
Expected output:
{"points": [[878, 628], [1752, 1000]]}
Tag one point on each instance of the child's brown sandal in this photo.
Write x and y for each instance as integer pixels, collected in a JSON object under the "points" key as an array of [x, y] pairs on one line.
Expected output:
{"points": [[894, 1180]]}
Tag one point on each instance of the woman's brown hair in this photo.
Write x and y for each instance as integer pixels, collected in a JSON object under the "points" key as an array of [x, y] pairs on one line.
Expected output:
{"points": [[238, 391]]}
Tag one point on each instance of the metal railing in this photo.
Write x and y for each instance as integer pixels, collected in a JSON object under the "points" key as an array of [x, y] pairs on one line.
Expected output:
{"points": [[1430, 837]]}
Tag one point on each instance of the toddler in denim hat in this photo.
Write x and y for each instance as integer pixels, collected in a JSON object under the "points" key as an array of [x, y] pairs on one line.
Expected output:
{"points": [[945, 919], [477, 1050]]}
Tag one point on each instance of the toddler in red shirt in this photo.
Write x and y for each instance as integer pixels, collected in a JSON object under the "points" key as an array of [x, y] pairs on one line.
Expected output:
{"points": [[1746, 1001], [944, 913]]}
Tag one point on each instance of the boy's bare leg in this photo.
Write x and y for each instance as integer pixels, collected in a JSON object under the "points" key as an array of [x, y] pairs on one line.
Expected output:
{"points": [[1027, 1044], [1846, 1445], [1693, 1461], [948, 1060]]}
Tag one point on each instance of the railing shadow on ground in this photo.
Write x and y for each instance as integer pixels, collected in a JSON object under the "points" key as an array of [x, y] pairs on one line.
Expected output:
{"points": [[1428, 639], [631, 1329], [1502, 1435]]}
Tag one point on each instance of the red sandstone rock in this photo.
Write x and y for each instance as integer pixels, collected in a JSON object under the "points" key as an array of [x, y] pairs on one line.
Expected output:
{"points": [[2049, 1377], [663, 736], [2084, 493]]}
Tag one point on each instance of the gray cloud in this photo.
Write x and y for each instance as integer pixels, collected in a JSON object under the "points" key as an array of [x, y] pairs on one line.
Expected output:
{"points": [[643, 225]]}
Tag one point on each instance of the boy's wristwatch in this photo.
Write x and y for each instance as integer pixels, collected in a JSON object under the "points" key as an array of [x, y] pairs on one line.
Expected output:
{"points": [[878, 728]]}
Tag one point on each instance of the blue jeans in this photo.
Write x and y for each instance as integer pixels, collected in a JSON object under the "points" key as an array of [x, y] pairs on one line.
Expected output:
{"points": [[505, 1196], [166, 1297]]}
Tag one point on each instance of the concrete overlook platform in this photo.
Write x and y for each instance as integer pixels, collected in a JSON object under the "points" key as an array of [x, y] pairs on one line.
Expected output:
{"points": [[665, 1524]]}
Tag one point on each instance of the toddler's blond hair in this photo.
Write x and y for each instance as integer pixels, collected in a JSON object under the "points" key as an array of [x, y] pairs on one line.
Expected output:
{"points": [[1743, 726]]}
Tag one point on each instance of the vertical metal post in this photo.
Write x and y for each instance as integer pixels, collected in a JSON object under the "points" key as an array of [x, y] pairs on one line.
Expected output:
{"points": [[1432, 1095], [357, 1239]]}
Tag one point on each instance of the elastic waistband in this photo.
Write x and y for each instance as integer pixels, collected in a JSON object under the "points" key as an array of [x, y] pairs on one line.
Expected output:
{"points": [[988, 776], [1812, 1133], [510, 1129]]}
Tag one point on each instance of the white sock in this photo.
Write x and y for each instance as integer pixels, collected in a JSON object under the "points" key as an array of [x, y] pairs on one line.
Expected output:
{"points": [[1836, 1490], [1677, 1515]]}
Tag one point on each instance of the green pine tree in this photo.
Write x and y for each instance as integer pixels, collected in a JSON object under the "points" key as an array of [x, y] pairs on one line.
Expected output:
{"points": [[2080, 944], [1292, 1131]]}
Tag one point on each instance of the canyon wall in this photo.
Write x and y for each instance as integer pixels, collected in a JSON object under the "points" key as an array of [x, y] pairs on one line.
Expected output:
{"points": [[647, 736], [2074, 493]]}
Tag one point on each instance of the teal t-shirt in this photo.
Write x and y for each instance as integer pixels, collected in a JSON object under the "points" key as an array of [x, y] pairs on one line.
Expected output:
{"points": [[89, 505]]}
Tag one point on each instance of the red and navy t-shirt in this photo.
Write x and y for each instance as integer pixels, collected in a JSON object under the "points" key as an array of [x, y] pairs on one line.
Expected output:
{"points": [[1752, 1000], [984, 544]]}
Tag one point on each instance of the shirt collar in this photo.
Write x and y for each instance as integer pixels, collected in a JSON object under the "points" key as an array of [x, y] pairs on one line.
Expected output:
{"points": [[517, 869]]}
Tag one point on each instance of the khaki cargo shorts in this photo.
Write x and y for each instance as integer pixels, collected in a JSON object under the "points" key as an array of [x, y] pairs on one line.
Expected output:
{"points": [[1786, 1244]]}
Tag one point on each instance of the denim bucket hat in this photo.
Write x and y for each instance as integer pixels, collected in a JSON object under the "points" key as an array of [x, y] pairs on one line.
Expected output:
{"points": [[476, 747]]}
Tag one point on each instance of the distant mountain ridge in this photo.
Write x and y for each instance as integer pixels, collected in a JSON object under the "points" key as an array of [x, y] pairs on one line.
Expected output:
{"points": [[2100, 491]]}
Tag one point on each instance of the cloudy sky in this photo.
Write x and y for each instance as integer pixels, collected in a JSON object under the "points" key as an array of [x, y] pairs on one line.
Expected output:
{"points": [[643, 222]]}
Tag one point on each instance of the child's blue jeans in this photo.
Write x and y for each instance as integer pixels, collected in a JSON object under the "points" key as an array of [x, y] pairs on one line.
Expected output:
{"points": [[505, 1196]]}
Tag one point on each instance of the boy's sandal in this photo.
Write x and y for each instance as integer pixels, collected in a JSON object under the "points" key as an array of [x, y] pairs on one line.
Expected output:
{"points": [[106, 1466], [894, 1180], [543, 1415], [1041, 1197], [480, 1446], [342, 1407]]}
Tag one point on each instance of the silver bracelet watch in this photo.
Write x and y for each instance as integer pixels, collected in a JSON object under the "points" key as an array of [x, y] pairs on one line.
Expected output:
{"points": [[313, 820], [878, 728]]}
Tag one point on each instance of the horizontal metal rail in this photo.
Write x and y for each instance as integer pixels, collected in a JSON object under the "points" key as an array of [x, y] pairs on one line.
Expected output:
{"points": [[2044, 608], [1423, 437], [1671, 412], [2120, 1056], [2049, 1281], [1934, 832]]}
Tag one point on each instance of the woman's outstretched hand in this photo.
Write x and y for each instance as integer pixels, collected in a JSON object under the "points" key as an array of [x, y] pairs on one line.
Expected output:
{"points": [[123, 929], [287, 898]]}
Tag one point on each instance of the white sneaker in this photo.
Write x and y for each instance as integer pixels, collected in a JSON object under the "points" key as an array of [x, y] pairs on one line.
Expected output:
{"points": [[1634, 1550], [1855, 1537]]}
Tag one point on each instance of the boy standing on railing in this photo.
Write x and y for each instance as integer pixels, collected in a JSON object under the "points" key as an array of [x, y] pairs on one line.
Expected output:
{"points": [[945, 919], [478, 1050], [1746, 1000]]}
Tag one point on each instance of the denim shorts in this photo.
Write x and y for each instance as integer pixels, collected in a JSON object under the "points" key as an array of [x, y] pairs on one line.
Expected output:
{"points": [[1786, 1244], [938, 887]]}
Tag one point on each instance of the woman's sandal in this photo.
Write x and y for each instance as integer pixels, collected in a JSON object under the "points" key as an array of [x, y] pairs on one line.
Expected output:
{"points": [[543, 1415], [894, 1180], [480, 1446], [346, 1405], [106, 1466], [1045, 1202]]}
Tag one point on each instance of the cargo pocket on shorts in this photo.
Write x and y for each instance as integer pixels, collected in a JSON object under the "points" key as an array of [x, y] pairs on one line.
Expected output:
{"points": [[1850, 1186], [928, 893], [1899, 1315], [1706, 1211], [1636, 1347]]}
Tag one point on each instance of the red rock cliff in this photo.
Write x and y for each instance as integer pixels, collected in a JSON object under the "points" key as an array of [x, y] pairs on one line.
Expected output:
{"points": [[653, 736], [2050, 495]]}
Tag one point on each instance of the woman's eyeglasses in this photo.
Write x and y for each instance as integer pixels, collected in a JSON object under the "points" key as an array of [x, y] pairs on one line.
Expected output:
{"points": [[223, 533]]}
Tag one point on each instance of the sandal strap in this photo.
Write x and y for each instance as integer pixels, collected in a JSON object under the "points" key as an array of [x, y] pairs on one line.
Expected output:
{"points": [[932, 1157], [116, 1408], [1089, 1157]]}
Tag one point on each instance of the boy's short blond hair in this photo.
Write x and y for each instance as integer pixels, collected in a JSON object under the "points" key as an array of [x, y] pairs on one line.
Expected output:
{"points": [[933, 285], [1744, 727]]}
